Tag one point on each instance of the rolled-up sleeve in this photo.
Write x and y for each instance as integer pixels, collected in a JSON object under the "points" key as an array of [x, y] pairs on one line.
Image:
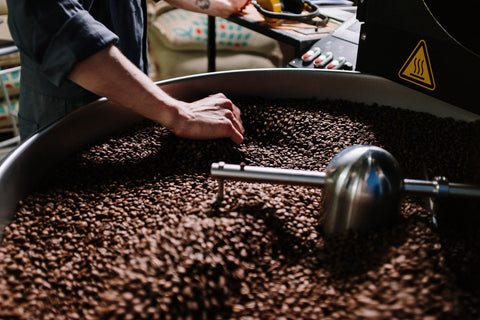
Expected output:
{"points": [[56, 34]]}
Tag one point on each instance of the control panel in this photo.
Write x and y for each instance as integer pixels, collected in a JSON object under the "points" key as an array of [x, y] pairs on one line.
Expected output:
{"points": [[338, 50]]}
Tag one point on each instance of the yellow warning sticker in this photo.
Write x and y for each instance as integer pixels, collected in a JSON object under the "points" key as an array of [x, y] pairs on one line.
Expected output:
{"points": [[417, 69]]}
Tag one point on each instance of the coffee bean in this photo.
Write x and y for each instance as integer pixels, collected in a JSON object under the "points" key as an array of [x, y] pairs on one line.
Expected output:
{"points": [[129, 227]]}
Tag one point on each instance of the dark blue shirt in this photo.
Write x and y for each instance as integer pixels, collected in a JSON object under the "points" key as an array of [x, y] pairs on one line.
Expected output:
{"points": [[52, 36]]}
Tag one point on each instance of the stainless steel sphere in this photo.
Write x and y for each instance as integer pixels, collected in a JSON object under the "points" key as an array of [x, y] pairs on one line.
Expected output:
{"points": [[363, 187]]}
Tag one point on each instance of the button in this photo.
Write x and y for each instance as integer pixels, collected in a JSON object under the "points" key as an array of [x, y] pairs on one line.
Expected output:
{"points": [[311, 54], [323, 59], [348, 66], [337, 63]]}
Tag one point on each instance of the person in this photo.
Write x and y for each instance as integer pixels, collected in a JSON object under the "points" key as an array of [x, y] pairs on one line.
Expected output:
{"points": [[74, 51]]}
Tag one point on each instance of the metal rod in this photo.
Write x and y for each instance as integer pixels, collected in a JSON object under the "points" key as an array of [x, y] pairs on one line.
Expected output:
{"points": [[223, 171], [268, 175], [433, 188], [419, 186], [211, 44]]}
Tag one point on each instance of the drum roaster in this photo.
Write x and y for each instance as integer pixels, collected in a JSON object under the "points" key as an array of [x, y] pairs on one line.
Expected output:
{"points": [[412, 43], [24, 168]]}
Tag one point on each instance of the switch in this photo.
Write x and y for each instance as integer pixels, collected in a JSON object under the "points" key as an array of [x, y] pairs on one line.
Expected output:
{"points": [[337, 63], [323, 59], [311, 54]]}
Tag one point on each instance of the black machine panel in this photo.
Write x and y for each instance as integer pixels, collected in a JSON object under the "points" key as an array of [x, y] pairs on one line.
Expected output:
{"points": [[342, 43], [433, 48], [404, 41]]}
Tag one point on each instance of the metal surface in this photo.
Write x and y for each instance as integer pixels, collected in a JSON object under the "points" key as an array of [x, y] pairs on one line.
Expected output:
{"points": [[437, 188], [362, 186], [270, 175], [222, 171], [363, 190], [22, 169]]}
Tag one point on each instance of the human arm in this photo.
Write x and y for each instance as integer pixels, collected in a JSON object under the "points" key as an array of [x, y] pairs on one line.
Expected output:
{"points": [[108, 73], [64, 41], [218, 8]]}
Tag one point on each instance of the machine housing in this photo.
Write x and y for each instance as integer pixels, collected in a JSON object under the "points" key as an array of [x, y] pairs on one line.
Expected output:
{"points": [[402, 40]]}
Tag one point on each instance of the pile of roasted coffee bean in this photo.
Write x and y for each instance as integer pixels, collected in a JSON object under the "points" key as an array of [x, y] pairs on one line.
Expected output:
{"points": [[129, 228]]}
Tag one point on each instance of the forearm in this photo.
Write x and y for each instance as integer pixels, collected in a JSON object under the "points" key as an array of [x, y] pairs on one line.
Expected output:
{"points": [[218, 8], [110, 74]]}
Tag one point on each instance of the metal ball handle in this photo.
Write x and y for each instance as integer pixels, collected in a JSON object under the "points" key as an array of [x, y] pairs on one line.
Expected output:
{"points": [[362, 186]]}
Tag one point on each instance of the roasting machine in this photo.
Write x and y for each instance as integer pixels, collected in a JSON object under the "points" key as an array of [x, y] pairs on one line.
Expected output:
{"points": [[415, 43], [397, 40], [23, 169]]}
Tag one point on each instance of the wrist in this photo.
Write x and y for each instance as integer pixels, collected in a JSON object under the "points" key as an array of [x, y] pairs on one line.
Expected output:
{"points": [[167, 111]]}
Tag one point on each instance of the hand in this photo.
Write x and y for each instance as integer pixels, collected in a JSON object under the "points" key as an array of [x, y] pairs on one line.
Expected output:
{"points": [[236, 5], [209, 118]]}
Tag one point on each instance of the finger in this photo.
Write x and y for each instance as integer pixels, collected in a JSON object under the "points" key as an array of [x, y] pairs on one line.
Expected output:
{"points": [[231, 130], [222, 101], [233, 114], [236, 136], [236, 121], [226, 104], [218, 96], [237, 112]]}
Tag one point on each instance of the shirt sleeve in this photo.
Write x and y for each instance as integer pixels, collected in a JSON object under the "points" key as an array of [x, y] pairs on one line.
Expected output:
{"points": [[56, 34]]}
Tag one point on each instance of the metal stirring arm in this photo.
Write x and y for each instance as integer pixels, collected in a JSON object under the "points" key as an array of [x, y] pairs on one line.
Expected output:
{"points": [[222, 171], [440, 187], [362, 187]]}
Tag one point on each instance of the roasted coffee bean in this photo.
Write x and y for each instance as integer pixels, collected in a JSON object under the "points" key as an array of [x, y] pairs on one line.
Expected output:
{"points": [[129, 228]]}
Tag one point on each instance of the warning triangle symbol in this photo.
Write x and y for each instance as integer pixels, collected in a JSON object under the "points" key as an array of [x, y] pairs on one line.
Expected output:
{"points": [[417, 69]]}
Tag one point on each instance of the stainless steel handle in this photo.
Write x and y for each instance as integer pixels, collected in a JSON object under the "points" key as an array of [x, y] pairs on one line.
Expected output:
{"points": [[440, 187], [223, 171]]}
